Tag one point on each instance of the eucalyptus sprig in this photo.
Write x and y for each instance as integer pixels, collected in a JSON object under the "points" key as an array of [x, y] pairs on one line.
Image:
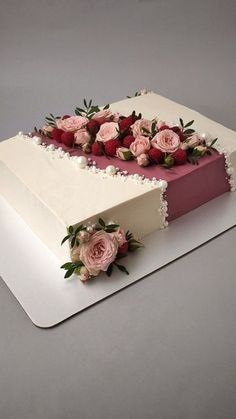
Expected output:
{"points": [[72, 235], [89, 109], [185, 127], [72, 267], [52, 120]]}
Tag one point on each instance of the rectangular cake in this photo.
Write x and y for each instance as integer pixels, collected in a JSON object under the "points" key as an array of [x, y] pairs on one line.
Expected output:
{"points": [[53, 184]]}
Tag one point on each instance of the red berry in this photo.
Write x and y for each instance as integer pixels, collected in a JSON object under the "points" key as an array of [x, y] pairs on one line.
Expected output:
{"points": [[124, 248], [179, 156], [125, 123], [67, 138], [66, 116], [155, 155], [96, 149], [164, 127], [111, 147], [57, 134], [128, 140], [93, 126]]}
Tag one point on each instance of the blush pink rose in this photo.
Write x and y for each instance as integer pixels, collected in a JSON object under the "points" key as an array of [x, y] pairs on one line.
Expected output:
{"points": [[167, 141], [140, 127], [119, 236], [143, 160], [108, 131], [102, 116], [82, 136], [99, 252], [72, 124], [140, 146]]}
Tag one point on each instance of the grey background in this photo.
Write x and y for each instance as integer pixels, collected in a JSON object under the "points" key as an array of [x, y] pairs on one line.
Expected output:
{"points": [[165, 347]]}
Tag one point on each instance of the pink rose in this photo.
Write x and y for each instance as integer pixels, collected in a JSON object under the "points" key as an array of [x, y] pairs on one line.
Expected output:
{"points": [[139, 146], [107, 131], [99, 252], [102, 116], [167, 141], [193, 141], [72, 124], [84, 274], [140, 127], [82, 136], [143, 160], [119, 236]]}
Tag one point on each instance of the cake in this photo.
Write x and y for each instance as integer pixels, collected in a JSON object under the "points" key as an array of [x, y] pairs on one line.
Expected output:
{"points": [[121, 166]]}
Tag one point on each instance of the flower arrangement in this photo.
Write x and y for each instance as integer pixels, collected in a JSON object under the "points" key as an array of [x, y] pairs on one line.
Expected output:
{"points": [[97, 248], [148, 142]]}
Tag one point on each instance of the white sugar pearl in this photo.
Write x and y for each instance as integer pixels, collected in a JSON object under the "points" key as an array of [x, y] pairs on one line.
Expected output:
{"points": [[111, 170], [82, 162], [163, 184], [89, 228], [37, 140], [20, 133], [205, 136], [51, 147]]}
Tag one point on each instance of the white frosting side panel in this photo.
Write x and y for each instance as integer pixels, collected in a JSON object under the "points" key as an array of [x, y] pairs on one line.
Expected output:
{"points": [[52, 193]]}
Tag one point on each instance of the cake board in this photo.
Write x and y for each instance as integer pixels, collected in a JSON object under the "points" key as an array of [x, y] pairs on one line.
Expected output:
{"points": [[33, 273]]}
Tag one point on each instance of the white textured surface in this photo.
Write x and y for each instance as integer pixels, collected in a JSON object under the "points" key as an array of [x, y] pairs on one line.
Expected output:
{"points": [[38, 284], [51, 193]]}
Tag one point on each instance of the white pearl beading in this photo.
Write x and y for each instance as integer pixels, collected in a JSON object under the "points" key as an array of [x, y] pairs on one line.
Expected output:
{"points": [[58, 153]]}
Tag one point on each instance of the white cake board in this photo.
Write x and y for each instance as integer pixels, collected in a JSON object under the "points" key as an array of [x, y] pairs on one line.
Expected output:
{"points": [[33, 275]]}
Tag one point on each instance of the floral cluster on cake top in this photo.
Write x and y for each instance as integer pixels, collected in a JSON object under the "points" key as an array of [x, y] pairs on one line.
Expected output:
{"points": [[148, 142]]}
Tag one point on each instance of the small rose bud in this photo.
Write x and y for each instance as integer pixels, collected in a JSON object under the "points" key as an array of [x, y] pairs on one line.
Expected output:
{"points": [[143, 160], [201, 149], [84, 236], [193, 141], [86, 148], [169, 161], [123, 153], [84, 274]]}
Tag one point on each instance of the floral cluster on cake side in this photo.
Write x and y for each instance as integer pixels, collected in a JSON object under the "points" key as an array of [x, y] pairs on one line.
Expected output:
{"points": [[148, 142], [97, 248]]}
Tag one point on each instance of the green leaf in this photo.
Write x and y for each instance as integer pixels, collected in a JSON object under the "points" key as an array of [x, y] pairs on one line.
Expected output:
{"points": [[181, 122], [109, 270], [78, 113], [107, 106], [134, 245], [73, 241], [66, 265], [189, 123], [85, 103], [69, 273], [213, 142], [122, 268], [146, 130], [71, 229], [79, 228], [65, 238], [189, 131], [102, 223], [90, 103]]}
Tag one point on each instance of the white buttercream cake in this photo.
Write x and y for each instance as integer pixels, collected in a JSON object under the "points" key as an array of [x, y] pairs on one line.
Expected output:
{"points": [[52, 188]]}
